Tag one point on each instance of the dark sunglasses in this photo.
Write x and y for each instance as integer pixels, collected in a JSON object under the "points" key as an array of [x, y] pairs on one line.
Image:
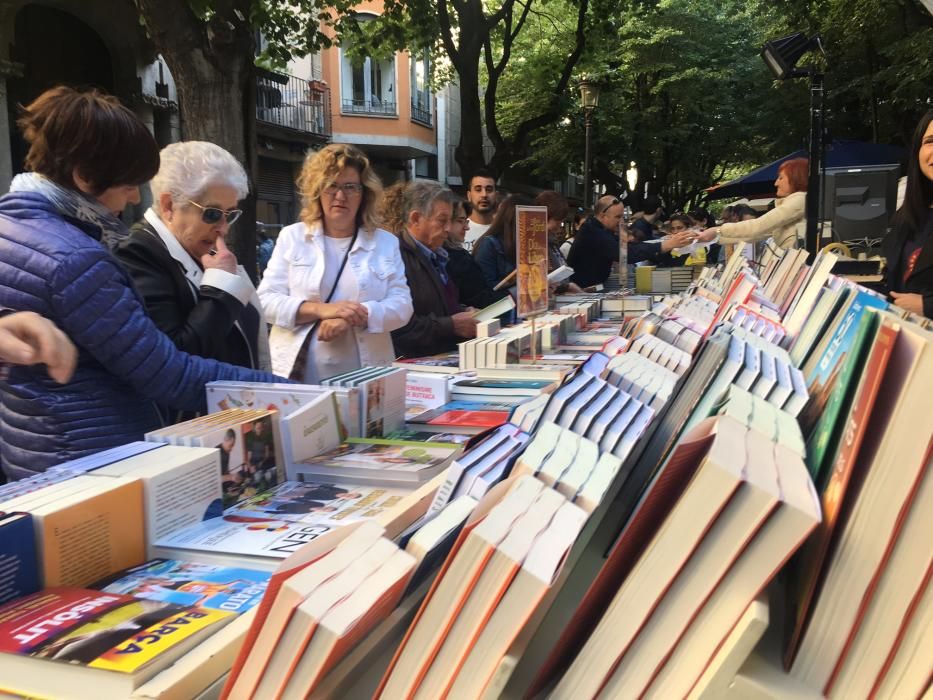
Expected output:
{"points": [[213, 215], [606, 207]]}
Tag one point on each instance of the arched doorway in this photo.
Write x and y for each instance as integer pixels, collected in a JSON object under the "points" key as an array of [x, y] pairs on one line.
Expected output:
{"points": [[55, 48]]}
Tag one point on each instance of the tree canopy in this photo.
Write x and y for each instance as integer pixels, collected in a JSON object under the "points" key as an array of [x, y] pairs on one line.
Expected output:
{"points": [[685, 93], [687, 97]]}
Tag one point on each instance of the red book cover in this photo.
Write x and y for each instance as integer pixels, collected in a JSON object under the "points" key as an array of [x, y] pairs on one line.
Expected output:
{"points": [[101, 630], [471, 419], [807, 572]]}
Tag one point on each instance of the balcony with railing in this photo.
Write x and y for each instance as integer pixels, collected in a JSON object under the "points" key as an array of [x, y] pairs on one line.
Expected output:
{"points": [[370, 105], [421, 112], [293, 103]]}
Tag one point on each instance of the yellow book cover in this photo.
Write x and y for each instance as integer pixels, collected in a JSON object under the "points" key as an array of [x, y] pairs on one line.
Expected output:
{"points": [[91, 533]]}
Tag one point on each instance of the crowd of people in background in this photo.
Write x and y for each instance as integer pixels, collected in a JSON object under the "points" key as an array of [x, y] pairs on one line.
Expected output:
{"points": [[131, 324]]}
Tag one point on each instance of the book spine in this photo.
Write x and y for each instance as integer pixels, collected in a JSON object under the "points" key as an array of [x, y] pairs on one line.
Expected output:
{"points": [[811, 565]]}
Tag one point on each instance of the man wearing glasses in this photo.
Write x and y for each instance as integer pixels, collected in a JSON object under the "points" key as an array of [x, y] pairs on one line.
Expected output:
{"points": [[596, 245], [439, 321], [194, 290]]}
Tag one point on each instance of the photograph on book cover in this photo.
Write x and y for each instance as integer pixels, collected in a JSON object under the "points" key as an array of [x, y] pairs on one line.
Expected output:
{"points": [[248, 461], [321, 504]]}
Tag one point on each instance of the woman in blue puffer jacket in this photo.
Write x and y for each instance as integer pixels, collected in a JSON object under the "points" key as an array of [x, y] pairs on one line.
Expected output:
{"points": [[87, 156]]}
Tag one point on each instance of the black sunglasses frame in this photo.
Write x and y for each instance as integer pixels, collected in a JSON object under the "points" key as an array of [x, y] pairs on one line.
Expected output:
{"points": [[207, 217]]}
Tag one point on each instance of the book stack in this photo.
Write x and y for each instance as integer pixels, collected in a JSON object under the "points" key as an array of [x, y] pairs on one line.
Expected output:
{"points": [[570, 464], [445, 363], [642, 378], [87, 644], [480, 468], [424, 391], [72, 468], [500, 568], [727, 508], [84, 528], [858, 590], [382, 397], [317, 606], [498, 390], [249, 442], [681, 278], [620, 306], [284, 398], [270, 526], [379, 461], [470, 417]]}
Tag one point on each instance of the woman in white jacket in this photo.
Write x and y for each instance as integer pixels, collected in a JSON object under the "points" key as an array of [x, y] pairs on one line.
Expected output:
{"points": [[335, 286], [785, 223]]}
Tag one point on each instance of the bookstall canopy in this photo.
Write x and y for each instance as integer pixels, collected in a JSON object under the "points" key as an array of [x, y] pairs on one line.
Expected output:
{"points": [[839, 154]]}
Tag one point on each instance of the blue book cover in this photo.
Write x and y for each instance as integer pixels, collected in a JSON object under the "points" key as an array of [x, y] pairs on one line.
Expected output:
{"points": [[501, 384], [823, 373], [19, 566], [473, 406], [190, 583]]}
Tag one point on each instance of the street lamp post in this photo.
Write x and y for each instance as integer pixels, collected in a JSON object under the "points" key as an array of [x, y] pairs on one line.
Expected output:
{"points": [[589, 97], [781, 56]]}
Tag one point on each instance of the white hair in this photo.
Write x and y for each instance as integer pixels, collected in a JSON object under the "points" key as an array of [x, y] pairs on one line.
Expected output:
{"points": [[188, 168]]}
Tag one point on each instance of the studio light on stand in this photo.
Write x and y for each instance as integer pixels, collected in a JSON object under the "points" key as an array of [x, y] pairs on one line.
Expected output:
{"points": [[781, 56], [589, 99]]}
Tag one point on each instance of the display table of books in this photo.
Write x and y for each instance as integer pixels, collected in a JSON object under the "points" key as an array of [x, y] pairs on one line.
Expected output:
{"points": [[720, 493]]}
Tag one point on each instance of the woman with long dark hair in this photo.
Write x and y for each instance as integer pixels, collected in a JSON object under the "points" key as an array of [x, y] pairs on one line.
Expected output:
{"points": [[909, 247]]}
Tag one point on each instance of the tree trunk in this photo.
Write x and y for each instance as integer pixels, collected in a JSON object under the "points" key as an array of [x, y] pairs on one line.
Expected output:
{"points": [[469, 152], [217, 106], [214, 73]]}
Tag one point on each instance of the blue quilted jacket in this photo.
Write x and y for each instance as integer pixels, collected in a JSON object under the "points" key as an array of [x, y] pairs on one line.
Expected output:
{"points": [[58, 268]]}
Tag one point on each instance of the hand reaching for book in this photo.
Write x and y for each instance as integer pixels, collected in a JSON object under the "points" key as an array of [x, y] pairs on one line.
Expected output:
{"points": [[464, 324], [681, 239], [27, 338], [332, 328]]}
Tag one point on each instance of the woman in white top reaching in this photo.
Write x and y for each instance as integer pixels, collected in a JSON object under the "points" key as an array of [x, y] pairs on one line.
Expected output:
{"points": [[785, 223], [335, 286]]}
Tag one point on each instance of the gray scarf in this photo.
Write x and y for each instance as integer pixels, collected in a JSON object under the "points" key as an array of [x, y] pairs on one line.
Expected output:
{"points": [[74, 204]]}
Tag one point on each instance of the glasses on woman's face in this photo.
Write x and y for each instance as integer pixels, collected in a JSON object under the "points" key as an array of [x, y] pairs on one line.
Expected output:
{"points": [[349, 189], [213, 215]]}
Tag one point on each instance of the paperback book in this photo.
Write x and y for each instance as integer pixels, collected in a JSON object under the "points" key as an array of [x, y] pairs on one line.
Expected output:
{"points": [[329, 505], [190, 583], [380, 461], [76, 643]]}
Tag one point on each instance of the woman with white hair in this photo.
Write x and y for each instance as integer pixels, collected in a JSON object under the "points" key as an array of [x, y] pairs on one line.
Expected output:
{"points": [[194, 290]]}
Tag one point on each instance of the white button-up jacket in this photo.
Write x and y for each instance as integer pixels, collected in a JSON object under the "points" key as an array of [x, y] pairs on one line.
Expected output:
{"points": [[294, 274]]}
